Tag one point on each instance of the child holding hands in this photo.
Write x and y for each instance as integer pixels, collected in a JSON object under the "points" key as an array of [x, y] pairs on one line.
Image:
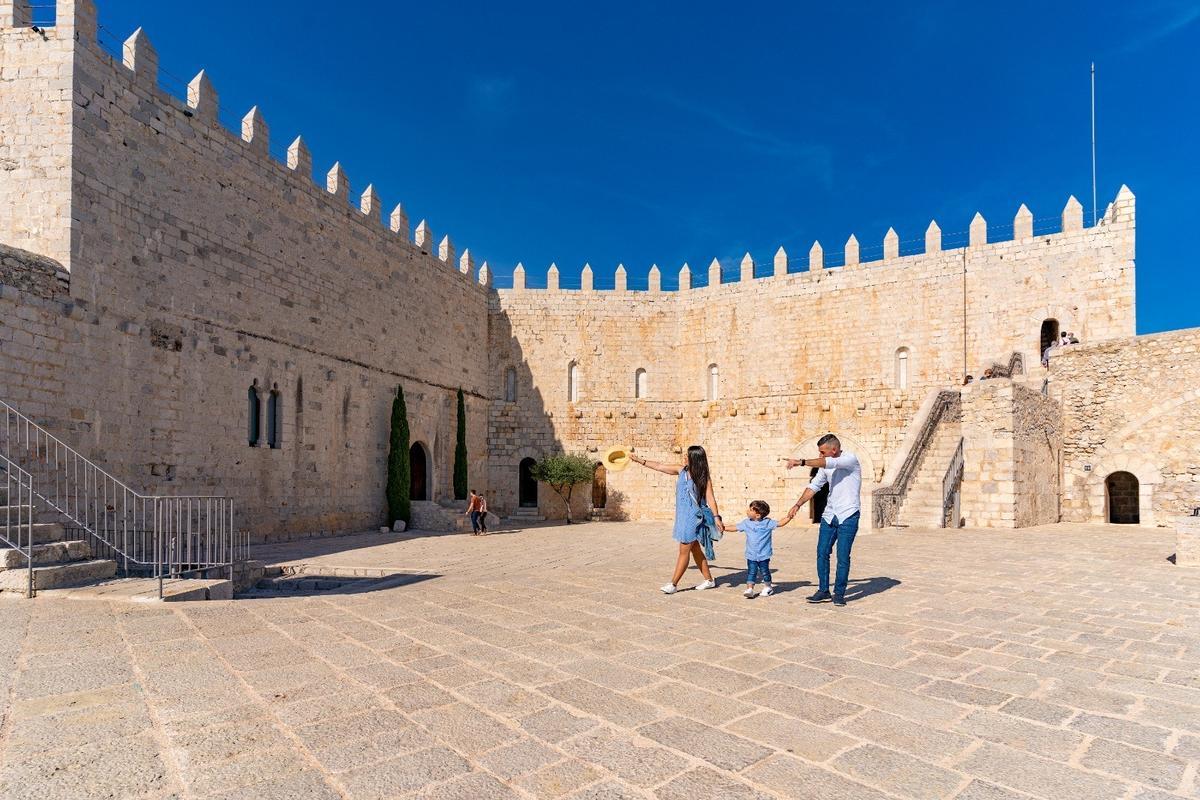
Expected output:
{"points": [[758, 527]]}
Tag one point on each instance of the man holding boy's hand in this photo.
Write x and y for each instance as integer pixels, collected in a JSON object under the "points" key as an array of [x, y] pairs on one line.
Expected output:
{"points": [[839, 524]]}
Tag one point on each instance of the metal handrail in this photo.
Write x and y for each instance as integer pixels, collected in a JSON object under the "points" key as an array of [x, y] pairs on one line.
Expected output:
{"points": [[165, 535], [22, 481], [951, 484], [1015, 366]]}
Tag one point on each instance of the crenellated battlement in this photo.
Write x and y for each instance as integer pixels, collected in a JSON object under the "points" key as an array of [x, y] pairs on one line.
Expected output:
{"points": [[976, 241], [198, 106]]}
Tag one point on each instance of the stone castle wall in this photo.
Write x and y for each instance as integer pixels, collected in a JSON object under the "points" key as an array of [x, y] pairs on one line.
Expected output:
{"points": [[36, 88], [797, 354], [200, 266], [1131, 406]]}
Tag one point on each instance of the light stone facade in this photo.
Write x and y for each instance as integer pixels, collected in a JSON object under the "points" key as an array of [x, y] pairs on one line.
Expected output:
{"points": [[797, 355], [200, 266], [172, 264], [1131, 406]]}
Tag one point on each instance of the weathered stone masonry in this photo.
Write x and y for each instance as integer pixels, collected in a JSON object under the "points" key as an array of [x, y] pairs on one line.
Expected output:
{"points": [[163, 265], [198, 266], [798, 354]]}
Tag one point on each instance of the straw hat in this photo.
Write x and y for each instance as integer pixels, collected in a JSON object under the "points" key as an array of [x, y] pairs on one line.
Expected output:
{"points": [[616, 458]]}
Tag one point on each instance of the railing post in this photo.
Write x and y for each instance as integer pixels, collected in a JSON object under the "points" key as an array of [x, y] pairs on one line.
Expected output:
{"points": [[158, 548]]}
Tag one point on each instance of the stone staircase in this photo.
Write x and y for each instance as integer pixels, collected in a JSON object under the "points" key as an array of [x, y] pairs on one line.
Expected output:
{"points": [[67, 525], [524, 516], [58, 561], [921, 506]]}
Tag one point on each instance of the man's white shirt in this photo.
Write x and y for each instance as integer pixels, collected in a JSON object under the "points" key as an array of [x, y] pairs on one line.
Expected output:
{"points": [[843, 475]]}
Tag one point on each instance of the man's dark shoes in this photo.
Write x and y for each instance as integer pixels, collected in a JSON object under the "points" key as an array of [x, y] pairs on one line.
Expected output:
{"points": [[819, 597], [839, 600]]}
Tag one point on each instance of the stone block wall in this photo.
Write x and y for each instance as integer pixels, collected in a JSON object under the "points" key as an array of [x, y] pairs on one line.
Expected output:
{"points": [[1037, 457], [1131, 406], [201, 266], [37, 73], [1012, 451], [797, 355]]}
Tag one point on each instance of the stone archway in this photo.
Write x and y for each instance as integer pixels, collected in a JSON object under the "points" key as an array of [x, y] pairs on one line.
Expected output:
{"points": [[527, 486], [420, 471], [1063, 319], [1146, 477], [1121, 498]]}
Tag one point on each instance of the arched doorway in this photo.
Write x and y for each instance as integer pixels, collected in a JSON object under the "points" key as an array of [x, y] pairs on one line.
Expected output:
{"points": [[817, 504], [1048, 336], [599, 486], [419, 465], [527, 488], [1121, 489]]}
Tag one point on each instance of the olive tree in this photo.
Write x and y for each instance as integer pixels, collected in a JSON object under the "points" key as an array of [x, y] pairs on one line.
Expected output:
{"points": [[562, 472]]}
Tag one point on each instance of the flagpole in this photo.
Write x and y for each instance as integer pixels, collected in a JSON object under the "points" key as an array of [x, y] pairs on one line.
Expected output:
{"points": [[1093, 142]]}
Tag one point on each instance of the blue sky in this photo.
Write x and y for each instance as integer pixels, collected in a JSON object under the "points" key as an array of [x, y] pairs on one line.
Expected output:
{"points": [[673, 132]]}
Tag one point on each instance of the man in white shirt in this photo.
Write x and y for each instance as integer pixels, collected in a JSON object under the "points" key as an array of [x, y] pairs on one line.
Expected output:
{"points": [[839, 524]]}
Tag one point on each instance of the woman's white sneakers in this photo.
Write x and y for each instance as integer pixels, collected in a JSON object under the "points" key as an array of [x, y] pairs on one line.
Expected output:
{"points": [[767, 591], [748, 593], [709, 584], [669, 588]]}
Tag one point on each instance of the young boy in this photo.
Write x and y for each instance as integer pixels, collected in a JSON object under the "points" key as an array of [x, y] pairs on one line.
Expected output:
{"points": [[758, 528]]}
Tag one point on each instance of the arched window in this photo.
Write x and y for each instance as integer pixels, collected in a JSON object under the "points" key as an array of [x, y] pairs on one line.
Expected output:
{"points": [[572, 382], [902, 369], [253, 410], [274, 421], [510, 385], [641, 384], [714, 383]]}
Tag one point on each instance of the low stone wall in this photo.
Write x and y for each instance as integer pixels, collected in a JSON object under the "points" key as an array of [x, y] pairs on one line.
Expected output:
{"points": [[32, 274]]}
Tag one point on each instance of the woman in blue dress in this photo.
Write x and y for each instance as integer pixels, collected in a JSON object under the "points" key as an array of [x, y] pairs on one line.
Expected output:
{"points": [[694, 496]]}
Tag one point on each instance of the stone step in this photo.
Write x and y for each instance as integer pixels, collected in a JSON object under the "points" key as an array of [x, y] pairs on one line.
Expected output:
{"points": [[145, 590], [14, 514], [74, 574], [46, 554], [57, 575], [46, 532]]}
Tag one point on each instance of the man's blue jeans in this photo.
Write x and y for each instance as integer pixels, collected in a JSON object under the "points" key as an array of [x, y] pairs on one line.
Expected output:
{"points": [[841, 534]]}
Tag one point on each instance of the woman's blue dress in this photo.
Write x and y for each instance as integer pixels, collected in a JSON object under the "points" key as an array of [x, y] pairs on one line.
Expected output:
{"points": [[686, 508]]}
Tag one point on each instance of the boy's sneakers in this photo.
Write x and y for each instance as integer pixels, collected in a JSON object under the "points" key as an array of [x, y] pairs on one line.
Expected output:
{"points": [[748, 593], [819, 597], [710, 584], [768, 591], [839, 600], [669, 588]]}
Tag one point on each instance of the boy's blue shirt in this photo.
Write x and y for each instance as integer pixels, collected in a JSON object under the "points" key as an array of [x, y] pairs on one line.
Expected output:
{"points": [[758, 537]]}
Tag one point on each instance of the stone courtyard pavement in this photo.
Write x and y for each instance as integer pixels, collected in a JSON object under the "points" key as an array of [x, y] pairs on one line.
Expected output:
{"points": [[1053, 663]]}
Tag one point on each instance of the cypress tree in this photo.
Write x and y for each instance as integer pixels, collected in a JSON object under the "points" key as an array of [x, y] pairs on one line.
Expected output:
{"points": [[460, 451], [399, 470]]}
